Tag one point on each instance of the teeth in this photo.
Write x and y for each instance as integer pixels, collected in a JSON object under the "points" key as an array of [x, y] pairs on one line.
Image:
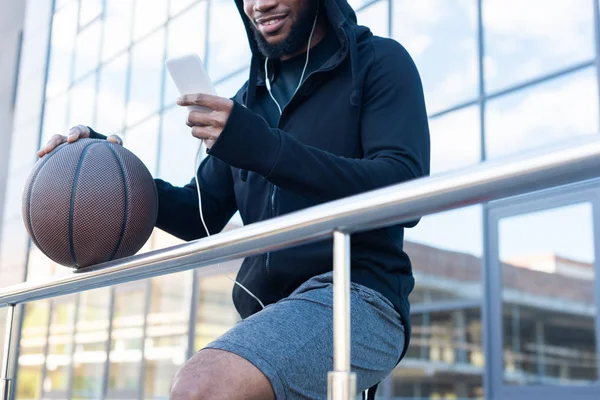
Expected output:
{"points": [[271, 21]]}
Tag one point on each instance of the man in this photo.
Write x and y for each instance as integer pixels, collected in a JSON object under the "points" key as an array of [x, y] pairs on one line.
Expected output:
{"points": [[329, 111]]}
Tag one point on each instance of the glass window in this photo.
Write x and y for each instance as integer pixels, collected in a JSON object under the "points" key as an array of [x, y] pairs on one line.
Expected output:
{"points": [[540, 38], [177, 6], [110, 113], [177, 148], [228, 43], [231, 86], [89, 356], [55, 117], [455, 140], [83, 102], [544, 114], [167, 332], [33, 56], [126, 343], [441, 33], [547, 290], [148, 16], [375, 16], [89, 10], [87, 50], [60, 344], [64, 30], [445, 250], [13, 252], [142, 140], [31, 350], [146, 72], [216, 312], [117, 29], [38, 15], [186, 34]]}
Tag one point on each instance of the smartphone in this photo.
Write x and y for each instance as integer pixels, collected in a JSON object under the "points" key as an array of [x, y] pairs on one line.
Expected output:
{"points": [[190, 76]]}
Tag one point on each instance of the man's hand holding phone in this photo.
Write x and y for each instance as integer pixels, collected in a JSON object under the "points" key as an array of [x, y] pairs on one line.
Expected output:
{"points": [[208, 123]]}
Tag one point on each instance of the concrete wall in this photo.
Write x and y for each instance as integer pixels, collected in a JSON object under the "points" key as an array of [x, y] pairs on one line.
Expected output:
{"points": [[11, 24]]}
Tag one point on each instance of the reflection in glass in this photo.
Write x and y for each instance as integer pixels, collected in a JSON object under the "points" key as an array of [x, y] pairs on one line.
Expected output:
{"points": [[231, 36], [91, 335], [117, 27], [167, 332], [552, 112], [540, 38], [126, 343], [64, 29], [548, 297], [110, 113], [445, 250], [60, 345], [445, 359], [31, 349], [146, 72], [441, 37], [216, 313], [87, 50], [186, 34], [455, 140]]}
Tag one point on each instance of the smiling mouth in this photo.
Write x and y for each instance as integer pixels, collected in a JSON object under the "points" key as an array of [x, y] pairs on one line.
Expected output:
{"points": [[271, 24]]}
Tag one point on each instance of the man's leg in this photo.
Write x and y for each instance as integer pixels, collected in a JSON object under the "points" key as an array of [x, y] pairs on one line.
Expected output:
{"points": [[218, 374]]}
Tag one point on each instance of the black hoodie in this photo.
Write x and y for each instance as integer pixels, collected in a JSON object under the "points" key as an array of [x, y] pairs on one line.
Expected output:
{"points": [[356, 124]]}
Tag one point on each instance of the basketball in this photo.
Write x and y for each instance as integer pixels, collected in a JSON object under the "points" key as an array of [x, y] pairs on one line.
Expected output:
{"points": [[89, 202]]}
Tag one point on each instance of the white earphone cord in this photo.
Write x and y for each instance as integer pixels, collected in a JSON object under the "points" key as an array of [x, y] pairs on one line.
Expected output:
{"points": [[268, 81], [197, 160]]}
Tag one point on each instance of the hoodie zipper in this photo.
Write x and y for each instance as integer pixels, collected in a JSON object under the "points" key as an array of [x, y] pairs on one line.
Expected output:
{"points": [[273, 192]]}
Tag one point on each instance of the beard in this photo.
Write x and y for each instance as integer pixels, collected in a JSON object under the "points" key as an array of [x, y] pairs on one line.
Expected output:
{"points": [[296, 39]]}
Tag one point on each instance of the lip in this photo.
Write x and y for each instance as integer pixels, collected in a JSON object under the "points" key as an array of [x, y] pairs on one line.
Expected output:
{"points": [[271, 28]]}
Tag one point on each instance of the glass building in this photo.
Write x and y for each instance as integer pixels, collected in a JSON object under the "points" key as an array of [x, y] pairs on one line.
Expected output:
{"points": [[501, 77]]}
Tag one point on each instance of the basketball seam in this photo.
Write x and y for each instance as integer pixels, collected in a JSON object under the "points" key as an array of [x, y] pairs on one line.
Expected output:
{"points": [[30, 189], [72, 205], [126, 201]]}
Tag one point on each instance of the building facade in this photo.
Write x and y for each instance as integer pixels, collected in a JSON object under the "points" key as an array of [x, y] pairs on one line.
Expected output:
{"points": [[501, 77]]}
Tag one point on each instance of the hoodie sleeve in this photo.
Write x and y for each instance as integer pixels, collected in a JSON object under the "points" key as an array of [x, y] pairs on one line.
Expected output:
{"points": [[394, 135], [178, 207]]}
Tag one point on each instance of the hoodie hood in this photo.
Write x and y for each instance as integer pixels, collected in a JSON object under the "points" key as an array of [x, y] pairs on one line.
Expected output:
{"points": [[342, 18]]}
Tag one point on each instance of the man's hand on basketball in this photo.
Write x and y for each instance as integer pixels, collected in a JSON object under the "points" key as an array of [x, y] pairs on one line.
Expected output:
{"points": [[75, 133], [209, 124]]}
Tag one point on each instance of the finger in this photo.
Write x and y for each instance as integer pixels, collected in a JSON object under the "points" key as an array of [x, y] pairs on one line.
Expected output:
{"points": [[78, 132], [205, 132], [115, 139], [54, 141], [199, 118], [204, 100]]}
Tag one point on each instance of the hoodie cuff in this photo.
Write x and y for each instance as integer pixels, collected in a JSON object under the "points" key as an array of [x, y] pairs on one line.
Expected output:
{"points": [[96, 135], [247, 142]]}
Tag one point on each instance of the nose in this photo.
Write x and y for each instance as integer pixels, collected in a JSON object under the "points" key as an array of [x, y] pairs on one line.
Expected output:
{"points": [[265, 5]]}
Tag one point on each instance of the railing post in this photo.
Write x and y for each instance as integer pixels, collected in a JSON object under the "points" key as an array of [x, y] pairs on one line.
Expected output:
{"points": [[6, 381], [341, 383]]}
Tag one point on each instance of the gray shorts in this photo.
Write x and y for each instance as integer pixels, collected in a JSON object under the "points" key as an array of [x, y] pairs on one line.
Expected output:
{"points": [[291, 341]]}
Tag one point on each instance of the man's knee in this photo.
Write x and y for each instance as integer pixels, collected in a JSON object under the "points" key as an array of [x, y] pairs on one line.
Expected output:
{"points": [[216, 374]]}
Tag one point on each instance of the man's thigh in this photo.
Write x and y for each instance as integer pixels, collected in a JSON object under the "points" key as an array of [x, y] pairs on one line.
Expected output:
{"points": [[291, 342]]}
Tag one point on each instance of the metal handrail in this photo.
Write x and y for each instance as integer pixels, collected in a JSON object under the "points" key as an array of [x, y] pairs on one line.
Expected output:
{"points": [[379, 208]]}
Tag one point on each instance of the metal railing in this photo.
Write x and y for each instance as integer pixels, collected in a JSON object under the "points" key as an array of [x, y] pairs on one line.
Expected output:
{"points": [[376, 209]]}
